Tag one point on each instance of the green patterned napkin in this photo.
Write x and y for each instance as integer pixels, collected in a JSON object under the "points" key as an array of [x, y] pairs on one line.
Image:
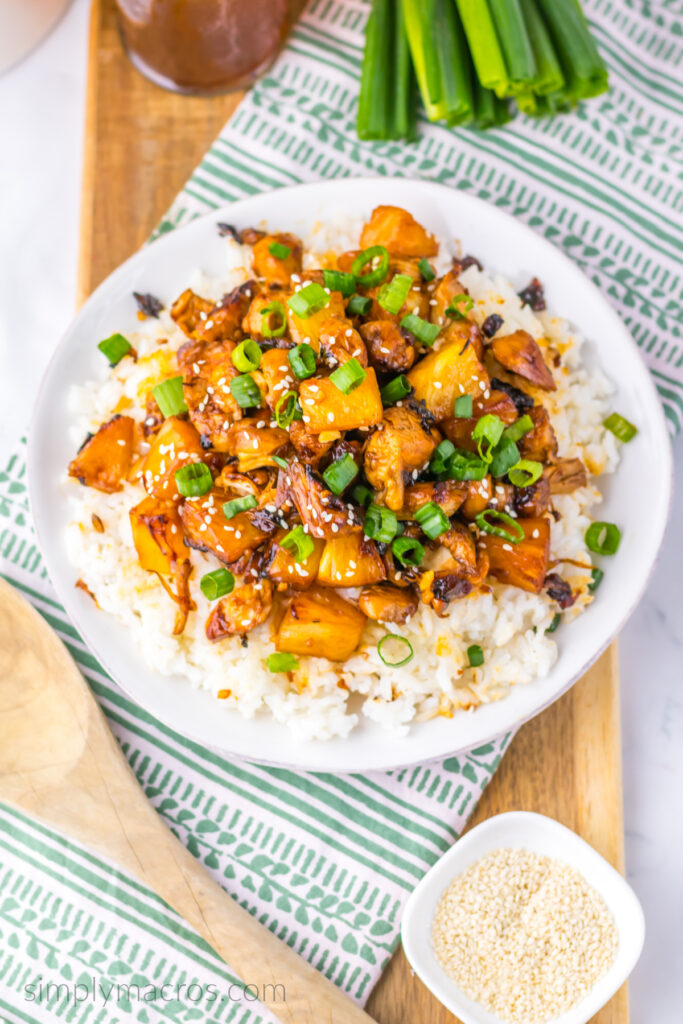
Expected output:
{"points": [[327, 861]]}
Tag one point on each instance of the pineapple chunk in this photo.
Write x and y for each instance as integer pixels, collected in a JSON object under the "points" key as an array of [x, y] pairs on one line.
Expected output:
{"points": [[328, 408], [321, 624], [254, 445], [104, 459], [308, 329], [280, 566], [207, 529], [523, 565], [399, 232], [350, 561], [176, 444], [445, 374], [277, 376], [158, 536], [277, 269]]}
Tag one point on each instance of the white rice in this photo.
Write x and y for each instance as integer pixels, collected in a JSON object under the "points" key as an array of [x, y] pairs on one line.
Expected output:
{"points": [[327, 699]]}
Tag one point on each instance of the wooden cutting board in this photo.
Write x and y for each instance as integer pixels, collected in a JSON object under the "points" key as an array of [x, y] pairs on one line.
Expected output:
{"points": [[141, 144]]}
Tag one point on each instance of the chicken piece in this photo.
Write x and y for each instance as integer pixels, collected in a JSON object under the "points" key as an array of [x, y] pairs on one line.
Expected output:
{"points": [[224, 320], [445, 290], [320, 510], [386, 603], [540, 444], [252, 323], [459, 542], [279, 564], [479, 495], [533, 501], [525, 564], [311, 448], [321, 624], [350, 561], [104, 459], [327, 408], [389, 350], [399, 232], [458, 429], [207, 370], [400, 445], [277, 376], [247, 607], [523, 401], [307, 329], [176, 444], [340, 341], [277, 269], [449, 494], [206, 528], [254, 445], [520, 354], [445, 374], [566, 475], [158, 539], [187, 310]]}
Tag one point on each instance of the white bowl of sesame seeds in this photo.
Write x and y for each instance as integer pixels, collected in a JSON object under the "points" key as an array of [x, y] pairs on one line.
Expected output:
{"points": [[523, 921]]}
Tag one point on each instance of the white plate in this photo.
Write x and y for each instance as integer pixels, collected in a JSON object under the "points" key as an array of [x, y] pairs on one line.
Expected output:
{"points": [[541, 835], [637, 497]]}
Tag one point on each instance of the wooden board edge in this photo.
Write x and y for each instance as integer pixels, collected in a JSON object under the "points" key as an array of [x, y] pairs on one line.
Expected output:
{"points": [[86, 219]]}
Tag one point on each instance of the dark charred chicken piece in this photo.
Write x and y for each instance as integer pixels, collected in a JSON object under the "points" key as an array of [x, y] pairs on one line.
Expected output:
{"points": [[399, 446], [319, 509], [247, 607], [520, 354], [389, 350], [566, 475], [386, 603], [540, 444]]}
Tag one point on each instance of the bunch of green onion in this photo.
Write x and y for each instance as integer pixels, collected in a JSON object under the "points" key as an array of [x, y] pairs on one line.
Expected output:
{"points": [[472, 61]]}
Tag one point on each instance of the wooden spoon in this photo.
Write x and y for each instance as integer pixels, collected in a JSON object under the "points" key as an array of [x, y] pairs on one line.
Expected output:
{"points": [[60, 763]]}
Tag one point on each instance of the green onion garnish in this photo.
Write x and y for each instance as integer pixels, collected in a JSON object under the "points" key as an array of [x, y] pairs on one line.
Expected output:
{"points": [[620, 427], [362, 495], [338, 281], [464, 466], [380, 524], [287, 409], [376, 254], [519, 428], [395, 390], [603, 538], [487, 432], [348, 376], [298, 542], [247, 356], [279, 461], [463, 407], [302, 361], [426, 269], [525, 473], [217, 584], [237, 505], [398, 659], [432, 519], [115, 348], [394, 293], [359, 305], [273, 309], [339, 474], [441, 455], [309, 300], [408, 551], [425, 332], [556, 620], [514, 532], [282, 662], [245, 391], [504, 457], [475, 655], [597, 576], [454, 308], [193, 480], [279, 251], [169, 397]]}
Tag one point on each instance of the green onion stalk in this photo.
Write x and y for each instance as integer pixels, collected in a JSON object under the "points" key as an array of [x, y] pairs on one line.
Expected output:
{"points": [[439, 51], [388, 94], [584, 70]]}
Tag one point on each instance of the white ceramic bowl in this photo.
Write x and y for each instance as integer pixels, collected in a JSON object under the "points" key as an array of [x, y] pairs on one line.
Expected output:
{"points": [[542, 835], [637, 497]]}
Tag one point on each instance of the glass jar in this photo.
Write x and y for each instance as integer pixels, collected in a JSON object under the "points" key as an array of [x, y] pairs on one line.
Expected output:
{"points": [[203, 46]]}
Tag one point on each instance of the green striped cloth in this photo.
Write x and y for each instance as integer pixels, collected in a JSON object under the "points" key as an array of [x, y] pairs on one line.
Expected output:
{"points": [[328, 861]]}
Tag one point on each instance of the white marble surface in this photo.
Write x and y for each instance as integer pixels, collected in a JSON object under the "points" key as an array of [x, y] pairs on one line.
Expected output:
{"points": [[41, 118]]}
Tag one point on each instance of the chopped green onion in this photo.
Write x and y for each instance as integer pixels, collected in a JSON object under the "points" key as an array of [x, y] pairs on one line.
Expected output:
{"points": [[298, 542], [375, 254], [439, 459], [513, 533], [302, 361], [408, 551], [603, 538], [279, 251], [193, 480], [170, 398], [463, 407], [247, 356], [426, 269], [338, 281], [525, 473], [348, 376], [282, 662], [237, 505], [115, 348], [519, 428], [339, 474], [475, 655], [273, 309], [401, 642], [394, 293], [359, 305], [309, 300], [504, 457], [217, 584], [487, 432], [597, 576], [454, 308], [395, 390], [279, 461], [432, 519], [287, 409], [245, 391], [556, 620], [362, 495], [380, 524], [620, 427], [424, 331], [466, 466]]}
